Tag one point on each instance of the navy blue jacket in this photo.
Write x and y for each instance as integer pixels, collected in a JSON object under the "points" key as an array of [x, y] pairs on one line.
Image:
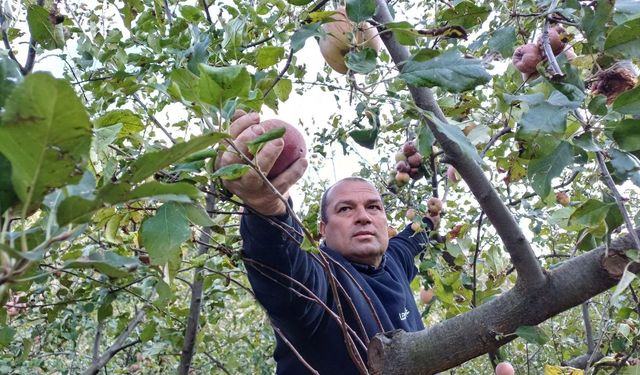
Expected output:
{"points": [[305, 323]]}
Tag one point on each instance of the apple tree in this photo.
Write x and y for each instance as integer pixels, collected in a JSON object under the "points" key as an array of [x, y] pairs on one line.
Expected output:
{"points": [[119, 247]]}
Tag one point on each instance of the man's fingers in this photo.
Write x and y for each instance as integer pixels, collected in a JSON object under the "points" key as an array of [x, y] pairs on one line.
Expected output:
{"points": [[290, 176], [240, 124], [237, 114], [268, 154]]}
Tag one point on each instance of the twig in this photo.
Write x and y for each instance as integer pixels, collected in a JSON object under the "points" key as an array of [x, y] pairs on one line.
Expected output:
{"points": [[117, 346], [295, 352], [281, 74], [167, 11], [205, 6], [155, 121], [548, 51], [612, 186], [96, 343], [476, 253]]}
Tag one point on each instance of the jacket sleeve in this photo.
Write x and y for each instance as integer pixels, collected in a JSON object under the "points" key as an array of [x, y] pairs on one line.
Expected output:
{"points": [[273, 259], [407, 244]]}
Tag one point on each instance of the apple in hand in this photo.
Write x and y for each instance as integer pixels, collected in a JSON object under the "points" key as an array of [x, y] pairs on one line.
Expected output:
{"points": [[294, 146]]}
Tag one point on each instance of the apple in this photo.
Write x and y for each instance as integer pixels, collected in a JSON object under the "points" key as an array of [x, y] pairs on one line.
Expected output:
{"points": [[416, 173], [400, 156], [336, 44], [294, 146], [563, 198], [434, 206], [526, 58], [409, 148], [455, 231], [426, 295], [557, 39], [411, 213], [402, 178], [415, 160], [392, 232], [452, 175], [416, 227], [505, 368], [403, 166]]}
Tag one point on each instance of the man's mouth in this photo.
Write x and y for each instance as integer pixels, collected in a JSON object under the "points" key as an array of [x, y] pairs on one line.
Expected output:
{"points": [[363, 233]]}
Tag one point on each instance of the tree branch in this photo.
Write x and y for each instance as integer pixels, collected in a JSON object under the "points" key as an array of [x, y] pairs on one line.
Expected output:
{"points": [[117, 346], [522, 255], [188, 347], [493, 324]]}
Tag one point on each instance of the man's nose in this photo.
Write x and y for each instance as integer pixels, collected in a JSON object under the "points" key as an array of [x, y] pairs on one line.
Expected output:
{"points": [[362, 215]]}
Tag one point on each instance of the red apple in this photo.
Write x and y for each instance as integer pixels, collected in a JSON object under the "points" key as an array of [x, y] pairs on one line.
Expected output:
{"points": [[505, 368], [526, 58], [294, 146], [409, 148]]}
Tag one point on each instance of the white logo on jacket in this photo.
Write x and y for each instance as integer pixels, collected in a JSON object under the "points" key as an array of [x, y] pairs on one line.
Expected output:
{"points": [[404, 314]]}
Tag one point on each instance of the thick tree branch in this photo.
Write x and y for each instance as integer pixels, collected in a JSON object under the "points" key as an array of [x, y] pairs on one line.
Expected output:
{"points": [[493, 324], [522, 255], [117, 346]]}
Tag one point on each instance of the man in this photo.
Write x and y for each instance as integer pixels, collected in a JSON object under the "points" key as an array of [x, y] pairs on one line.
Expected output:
{"points": [[361, 277]]}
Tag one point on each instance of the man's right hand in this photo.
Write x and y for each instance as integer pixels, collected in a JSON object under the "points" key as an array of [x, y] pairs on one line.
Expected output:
{"points": [[251, 188]]}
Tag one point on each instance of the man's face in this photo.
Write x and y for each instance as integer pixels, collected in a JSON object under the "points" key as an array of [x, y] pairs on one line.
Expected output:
{"points": [[356, 224]]}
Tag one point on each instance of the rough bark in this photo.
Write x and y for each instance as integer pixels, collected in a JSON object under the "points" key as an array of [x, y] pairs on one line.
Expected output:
{"points": [[491, 325], [516, 244]]}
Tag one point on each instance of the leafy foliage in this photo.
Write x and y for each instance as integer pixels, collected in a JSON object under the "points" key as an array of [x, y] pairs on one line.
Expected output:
{"points": [[105, 167]]}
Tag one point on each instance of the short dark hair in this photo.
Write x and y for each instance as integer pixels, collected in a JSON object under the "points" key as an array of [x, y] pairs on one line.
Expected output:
{"points": [[323, 201]]}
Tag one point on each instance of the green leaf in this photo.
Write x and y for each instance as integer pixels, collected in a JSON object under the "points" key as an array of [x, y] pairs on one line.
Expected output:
{"points": [[626, 166], [365, 137], [10, 77], [361, 61], [503, 40], [299, 2], [42, 30], [282, 89], [76, 210], [532, 334], [543, 170], [148, 332], [233, 32], [108, 263], [300, 36], [455, 134], [164, 233], [197, 215], [450, 71], [590, 214], [543, 119], [255, 144], [159, 190], [598, 105], [269, 55], [191, 13], [630, 370], [153, 161], [131, 123], [6, 335], [594, 23], [232, 171], [8, 197], [187, 83], [586, 142], [219, 84], [466, 14], [46, 135], [627, 134], [628, 102], [625, 10], [404, 32], [624, 39], [105, 311], [424, 140], [360, 10]]}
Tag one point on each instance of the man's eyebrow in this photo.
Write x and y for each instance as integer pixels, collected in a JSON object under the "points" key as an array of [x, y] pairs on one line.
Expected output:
{"points": [[352, 202]]}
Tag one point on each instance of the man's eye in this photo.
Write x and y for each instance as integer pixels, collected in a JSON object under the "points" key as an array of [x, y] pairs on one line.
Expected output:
{"points": [[343, 209], [375, 207]]}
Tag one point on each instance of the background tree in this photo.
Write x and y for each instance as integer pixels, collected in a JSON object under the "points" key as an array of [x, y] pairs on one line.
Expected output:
{"points": [[120, 250]]}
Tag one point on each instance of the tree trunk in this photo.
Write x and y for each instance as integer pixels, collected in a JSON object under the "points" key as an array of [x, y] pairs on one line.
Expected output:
{"points": [[486, 328]]}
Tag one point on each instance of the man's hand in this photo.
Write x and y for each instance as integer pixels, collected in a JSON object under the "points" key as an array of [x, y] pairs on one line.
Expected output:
{"points": [[252, 188]]}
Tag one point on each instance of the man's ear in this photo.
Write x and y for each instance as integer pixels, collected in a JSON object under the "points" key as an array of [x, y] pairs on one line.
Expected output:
{"points": [[322, 228]]}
